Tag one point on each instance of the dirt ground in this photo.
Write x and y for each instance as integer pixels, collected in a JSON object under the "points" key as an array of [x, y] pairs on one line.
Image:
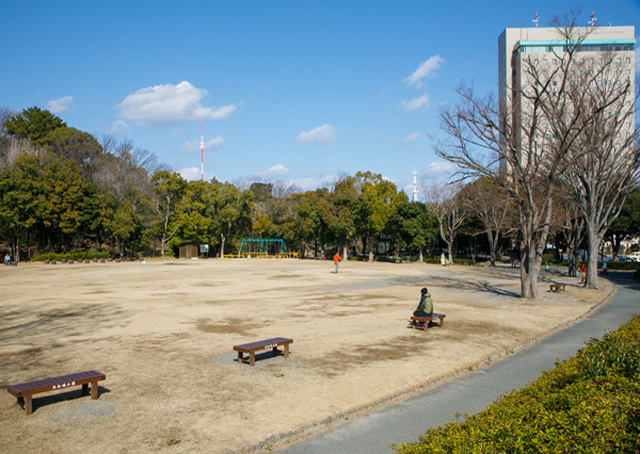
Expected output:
{"points": [[163, 333]]}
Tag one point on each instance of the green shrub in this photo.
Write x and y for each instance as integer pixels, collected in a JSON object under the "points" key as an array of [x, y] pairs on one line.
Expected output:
{"points": [[615, 265], [73, 255], [587, 404]]}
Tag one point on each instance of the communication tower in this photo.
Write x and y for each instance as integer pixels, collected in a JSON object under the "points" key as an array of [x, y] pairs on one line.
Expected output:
{"points": [[201, 150]]}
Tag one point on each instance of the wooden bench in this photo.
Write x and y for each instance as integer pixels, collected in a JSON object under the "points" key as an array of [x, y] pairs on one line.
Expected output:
{"points": [[25, 391], [425, 320], [556, 288], [253, 347]]}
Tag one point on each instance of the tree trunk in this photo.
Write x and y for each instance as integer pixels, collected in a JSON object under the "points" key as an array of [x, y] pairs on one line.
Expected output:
{"points": [[530, 270], [345, 251], [222, 239], [493, 245], [593, 240], [421, 255]]}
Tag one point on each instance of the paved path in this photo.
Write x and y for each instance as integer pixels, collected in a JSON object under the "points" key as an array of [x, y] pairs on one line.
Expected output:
{"points": [[471, 393]]}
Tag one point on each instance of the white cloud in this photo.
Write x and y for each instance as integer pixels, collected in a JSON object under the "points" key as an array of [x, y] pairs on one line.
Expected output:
{"points": [[273, 172], [120, 128], [427, 68], [193, 146], [170, 104], [322, 135], [440, 170], [190, 173], [314, 182], [418, 103], [60, 105], [411, 137]]}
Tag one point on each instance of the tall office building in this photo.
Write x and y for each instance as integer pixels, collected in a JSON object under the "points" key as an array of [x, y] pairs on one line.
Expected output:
{"points": [[535, 60]]}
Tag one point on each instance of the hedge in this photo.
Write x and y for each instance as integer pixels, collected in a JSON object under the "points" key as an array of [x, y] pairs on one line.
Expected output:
{"points": [[587, 404], [74, 255]]}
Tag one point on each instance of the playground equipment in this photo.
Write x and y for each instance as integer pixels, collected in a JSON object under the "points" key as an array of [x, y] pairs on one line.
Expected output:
{"points": [[267, 248]]}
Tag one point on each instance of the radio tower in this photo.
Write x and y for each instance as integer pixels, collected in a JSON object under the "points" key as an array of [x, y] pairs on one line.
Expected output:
{"points": [[201, 150]]}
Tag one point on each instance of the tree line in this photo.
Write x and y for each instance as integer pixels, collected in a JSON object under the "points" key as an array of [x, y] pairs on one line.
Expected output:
{"points": [[64, 190]]}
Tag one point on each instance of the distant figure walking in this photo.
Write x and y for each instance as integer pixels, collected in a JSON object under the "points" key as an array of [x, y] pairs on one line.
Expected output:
{"points": [[337, 260], [7, 259], [425, 306]]}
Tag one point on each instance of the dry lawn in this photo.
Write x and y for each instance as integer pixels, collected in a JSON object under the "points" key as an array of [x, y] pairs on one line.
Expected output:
{"points": [[163, 334]]}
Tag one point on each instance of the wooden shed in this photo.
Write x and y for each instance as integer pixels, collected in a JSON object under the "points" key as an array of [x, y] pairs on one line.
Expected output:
{"points": [[188, 249]]}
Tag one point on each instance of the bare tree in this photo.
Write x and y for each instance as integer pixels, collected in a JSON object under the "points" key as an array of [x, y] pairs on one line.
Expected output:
{"points": [[535, 141], [606, 154], [449, 209], [573, 232], [485, 199]]}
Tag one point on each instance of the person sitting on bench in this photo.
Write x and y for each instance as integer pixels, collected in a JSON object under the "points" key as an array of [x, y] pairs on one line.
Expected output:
{"points": [[425, 307]]}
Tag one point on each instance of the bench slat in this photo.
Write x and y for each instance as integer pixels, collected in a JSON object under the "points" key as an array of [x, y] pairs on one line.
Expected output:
{"points": [[263, 344]]}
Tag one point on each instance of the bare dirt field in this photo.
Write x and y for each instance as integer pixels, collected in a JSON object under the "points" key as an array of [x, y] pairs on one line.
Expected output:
{"points": [[163, 333]]}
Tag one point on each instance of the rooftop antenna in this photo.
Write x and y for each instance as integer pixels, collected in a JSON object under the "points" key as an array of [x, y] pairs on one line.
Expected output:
{"points": [[415, 186], [535, 21], [201, 150], [594, 20]]}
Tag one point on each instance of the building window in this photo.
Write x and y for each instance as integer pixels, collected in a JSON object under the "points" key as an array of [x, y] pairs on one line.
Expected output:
{"points": [[619, 60], [600, 60]]}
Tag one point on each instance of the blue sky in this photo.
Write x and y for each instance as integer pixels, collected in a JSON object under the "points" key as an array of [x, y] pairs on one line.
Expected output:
{"points": [[296, 91]]}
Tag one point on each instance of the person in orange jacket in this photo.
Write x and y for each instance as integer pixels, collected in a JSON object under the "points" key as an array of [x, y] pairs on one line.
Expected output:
{"points": [[336, 260]]}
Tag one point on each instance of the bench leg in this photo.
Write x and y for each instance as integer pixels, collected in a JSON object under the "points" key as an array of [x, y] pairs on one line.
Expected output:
{"points": [[28, 406], [441, 322], [240, 358], [94, 390], [286, 350], [252, 359]]}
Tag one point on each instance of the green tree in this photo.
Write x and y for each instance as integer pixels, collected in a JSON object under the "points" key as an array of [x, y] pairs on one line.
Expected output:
{"points": [[344, 205], [169, 188], [70, 143], [234, 214], [33, 124], [378, 201], [627, 224], [64, 195], [314, 208], [413, 226], [194, 214], [128, 221], [21, 201]]}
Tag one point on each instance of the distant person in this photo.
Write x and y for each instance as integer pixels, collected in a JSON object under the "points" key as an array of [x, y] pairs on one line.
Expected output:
{"points": [[443, 260], [604, 269], [425, 306], [337, 260], [7, 259]]}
